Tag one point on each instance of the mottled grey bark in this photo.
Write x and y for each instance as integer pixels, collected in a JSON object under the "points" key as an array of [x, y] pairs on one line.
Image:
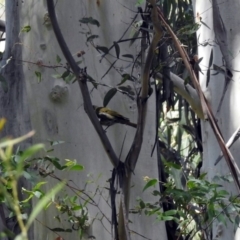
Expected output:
{"points": [[13, 104]]}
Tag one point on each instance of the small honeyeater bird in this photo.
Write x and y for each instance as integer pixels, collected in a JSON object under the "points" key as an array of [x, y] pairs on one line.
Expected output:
{"points": [[109, 117]]}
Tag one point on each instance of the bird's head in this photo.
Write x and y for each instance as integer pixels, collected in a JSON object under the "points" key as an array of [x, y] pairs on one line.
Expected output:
{"points": [[96, 109]]}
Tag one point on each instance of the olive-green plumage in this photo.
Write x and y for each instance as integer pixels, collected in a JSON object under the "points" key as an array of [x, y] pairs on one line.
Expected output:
{"points": [[109, 117]]}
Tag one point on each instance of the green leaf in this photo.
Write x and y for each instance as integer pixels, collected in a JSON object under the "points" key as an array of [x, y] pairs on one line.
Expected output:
{"points": [[222, 193], [237, 221], [142, 204], [91, 80], [26, 29], [41, 204], [173, 165], [27, 154], [189, 29], [55, 162], [77, 167], [150, 183], [117, 49], [170, 212], [128, 56], [200, 59], [209, 66], [218, 69], [38, 185], [39, 76], [210, 59], [156, 193], [26, 174], [110, 94], [16, 140], [208, 77], [203, 23], [139, 3], [227, 178], [69, 78], [165, 218], [85, 20], [75, 208], [89, 20], [95, 22], [103, 49], [58, 59], [66, 74], [38, 194], [222, 218], [125, 77], [60, 230], [30, 195], [89, 39]]}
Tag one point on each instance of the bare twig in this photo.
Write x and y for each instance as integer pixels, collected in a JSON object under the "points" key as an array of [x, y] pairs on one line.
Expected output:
{"points": [[230, 142]]}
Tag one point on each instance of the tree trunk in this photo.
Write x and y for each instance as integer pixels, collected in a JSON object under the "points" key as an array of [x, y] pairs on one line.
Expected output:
{"points": [[56, 108], [13, 100], [229, 112]]}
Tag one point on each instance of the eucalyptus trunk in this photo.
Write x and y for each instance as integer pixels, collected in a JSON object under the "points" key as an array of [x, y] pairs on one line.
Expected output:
{"points": [[221, 35], [35, 99]]}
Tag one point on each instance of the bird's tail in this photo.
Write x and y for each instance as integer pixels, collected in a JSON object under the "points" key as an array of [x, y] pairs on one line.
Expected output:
{"points": [[129, 124]]}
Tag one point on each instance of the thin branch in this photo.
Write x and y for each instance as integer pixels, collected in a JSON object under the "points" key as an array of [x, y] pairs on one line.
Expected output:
{"points": [[133, 154], [229, 143], [125, 216], [81, 76], [206, 107], [132, 157]]}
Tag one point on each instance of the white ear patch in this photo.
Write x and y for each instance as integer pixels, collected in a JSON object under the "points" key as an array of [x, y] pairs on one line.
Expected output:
{"points": [[106, 114]]}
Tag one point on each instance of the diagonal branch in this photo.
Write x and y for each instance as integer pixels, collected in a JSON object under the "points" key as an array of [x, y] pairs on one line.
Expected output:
{"points": [[81, 76], [206, 107], [133, 154], [229, 143], [132, 157]]}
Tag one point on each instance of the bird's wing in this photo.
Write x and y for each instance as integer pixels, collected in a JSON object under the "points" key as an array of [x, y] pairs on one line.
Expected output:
{"points": [[106, 115], [119, 116]]}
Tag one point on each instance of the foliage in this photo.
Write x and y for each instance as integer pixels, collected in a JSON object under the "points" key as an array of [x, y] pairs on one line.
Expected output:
{"points": [[14, 166], [178, 130], [184, 196], [196, 206]]}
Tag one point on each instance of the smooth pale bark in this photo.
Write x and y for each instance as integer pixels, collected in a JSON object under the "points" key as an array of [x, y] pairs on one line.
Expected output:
{"points": [[228, 118], [66, 120]]}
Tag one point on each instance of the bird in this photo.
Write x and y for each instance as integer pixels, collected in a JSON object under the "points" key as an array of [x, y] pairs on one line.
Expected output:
{"points": [[109, 117]]}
